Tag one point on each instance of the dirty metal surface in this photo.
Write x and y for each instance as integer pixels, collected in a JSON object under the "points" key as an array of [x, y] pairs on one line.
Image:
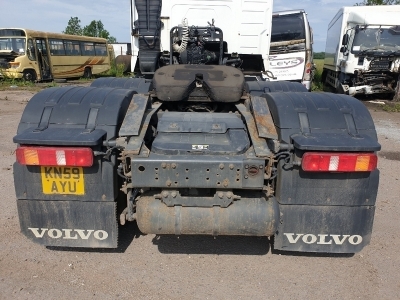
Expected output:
{"points": [[134, 143], [254, 215], [260, 145], [134, 115], [198, 171], [222, 198], [263, 118]]}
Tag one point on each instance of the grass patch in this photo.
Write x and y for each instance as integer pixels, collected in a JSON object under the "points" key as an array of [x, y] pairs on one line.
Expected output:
{"points": [[393, 107], [317, 84], [7, 83], [116, 70]]}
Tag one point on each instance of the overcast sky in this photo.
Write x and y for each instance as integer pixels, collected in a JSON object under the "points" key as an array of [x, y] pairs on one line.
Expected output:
{"points": [[53, 15]]}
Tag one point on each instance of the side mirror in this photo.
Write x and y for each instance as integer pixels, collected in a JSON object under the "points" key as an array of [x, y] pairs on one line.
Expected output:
{"points": [[345, 39], [343, 49]]}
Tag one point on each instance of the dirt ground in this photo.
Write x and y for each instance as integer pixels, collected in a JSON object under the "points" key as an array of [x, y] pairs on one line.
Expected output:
{"points": [[197, 267]]}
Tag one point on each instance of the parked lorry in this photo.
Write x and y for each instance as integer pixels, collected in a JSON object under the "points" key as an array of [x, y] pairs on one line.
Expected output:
{"points": [[197, 147], [362, 53], [235, 33], [291, 54]]}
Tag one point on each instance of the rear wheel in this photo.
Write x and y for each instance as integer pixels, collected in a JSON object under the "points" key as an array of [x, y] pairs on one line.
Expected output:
{"points": [[29, 75], [87, 73]]}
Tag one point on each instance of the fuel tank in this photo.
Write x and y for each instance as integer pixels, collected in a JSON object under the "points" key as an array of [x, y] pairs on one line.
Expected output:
{"points": [[255, 216]]}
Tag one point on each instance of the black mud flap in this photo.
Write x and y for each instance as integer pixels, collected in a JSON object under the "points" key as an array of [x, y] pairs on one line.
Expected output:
{"points": [[62, 216], [328, 229], [69, 223], [330, 212]]}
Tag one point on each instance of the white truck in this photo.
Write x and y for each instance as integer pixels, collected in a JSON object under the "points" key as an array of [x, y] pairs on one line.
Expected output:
{"points": [[362, 53], [291, 54], [201, 32]]}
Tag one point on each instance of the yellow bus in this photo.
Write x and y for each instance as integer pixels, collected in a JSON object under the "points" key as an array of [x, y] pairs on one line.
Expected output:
{"points": [[37, 56]]}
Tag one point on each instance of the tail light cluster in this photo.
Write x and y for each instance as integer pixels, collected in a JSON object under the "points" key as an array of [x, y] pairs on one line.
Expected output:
{"points": [[308, 68], [339, 162], [55, 156]]}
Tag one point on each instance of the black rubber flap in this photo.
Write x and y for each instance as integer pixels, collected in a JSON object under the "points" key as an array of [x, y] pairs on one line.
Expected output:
{"points": [[69, 223], [328, 229], [61, 137], [220, 83]]}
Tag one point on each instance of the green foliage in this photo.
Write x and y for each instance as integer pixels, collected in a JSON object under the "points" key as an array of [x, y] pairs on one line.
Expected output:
{"points": [[319, 55], [317, 84], [52, 84], [116, 70], [73, 27], [378, 2], [95, 29], [392, 107], [111, 40], [9, 82]]}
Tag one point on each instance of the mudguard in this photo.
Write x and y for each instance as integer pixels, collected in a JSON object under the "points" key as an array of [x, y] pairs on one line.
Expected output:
{"points": [[71, 116], [257, 88], [86, 111], [140, 85], [323, 211]]}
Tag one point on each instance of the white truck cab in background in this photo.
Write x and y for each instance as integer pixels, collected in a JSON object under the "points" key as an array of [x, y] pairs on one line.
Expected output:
{"points": [[291, 54], [362, 53], [246, 28]]}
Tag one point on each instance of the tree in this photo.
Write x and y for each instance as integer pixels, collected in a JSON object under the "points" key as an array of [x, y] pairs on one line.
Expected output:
{"points": [[378, 2], [73, 27], [96, 29]]}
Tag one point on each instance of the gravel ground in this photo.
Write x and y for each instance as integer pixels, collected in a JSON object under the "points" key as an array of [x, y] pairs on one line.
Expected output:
{"points": [[196, 267]]}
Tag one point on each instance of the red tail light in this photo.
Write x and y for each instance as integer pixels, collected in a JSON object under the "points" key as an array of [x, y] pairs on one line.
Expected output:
{"points": [[308, 68], [55, 156], [339, 162]]}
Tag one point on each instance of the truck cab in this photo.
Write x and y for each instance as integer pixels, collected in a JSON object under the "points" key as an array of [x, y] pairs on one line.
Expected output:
{"points": [[363, 51]]}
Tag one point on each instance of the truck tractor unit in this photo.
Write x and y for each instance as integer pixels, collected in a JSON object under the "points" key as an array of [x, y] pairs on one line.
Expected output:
{"points": [[362, 53], [233, 33], [196, 147]]}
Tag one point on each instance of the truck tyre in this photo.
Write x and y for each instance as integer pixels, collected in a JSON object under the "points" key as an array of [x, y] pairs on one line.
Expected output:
{"points": [[87, 73], [258, 88], [29, 75]]}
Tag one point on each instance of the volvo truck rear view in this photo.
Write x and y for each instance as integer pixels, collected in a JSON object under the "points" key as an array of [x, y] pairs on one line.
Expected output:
{"points": [[196, 145], [362, 54]]}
